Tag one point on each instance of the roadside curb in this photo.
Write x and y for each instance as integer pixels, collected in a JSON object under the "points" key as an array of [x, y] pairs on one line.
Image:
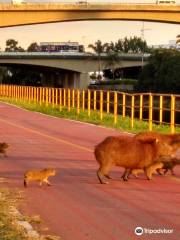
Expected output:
{"points": [[31, 233]]}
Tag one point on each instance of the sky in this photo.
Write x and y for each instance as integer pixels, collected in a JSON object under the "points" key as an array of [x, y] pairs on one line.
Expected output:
{"points": [[86, 32]]}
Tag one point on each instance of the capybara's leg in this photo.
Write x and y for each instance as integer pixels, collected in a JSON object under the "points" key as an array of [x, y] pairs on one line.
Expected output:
{"points": [[107, 176], [100, 176], [135, 172], [25, 182], [5, 154], [104, 171], [166, 170], [40, 183], [152, 169], [126, 175], [160, 171], [172, 171], [47, 182], [148, 174]]}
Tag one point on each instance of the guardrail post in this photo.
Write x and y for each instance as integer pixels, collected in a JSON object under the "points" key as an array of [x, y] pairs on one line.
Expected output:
{"points": [[124, 105], [160, 109], [34, 94], [108, 102], [40, 96], [64, 97], [101, 104], [115, 107], [78, 102], [132, 111], [73, 98], [43, 95], [69, 100], [95, 100], [172, 113], [150, 111], [56, 92], [89, 103], [141, 107], [47, 96], [60, 99], [83, 99]]}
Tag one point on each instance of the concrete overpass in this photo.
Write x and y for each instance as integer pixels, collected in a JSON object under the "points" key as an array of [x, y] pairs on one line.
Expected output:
{"points": [[75, 66], [35, 13]]}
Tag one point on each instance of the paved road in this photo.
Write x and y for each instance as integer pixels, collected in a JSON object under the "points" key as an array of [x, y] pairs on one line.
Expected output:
{"points": [[77, 207]]}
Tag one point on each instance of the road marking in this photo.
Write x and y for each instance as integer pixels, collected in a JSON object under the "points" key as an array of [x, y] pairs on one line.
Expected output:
{"points": [[47, 136]]}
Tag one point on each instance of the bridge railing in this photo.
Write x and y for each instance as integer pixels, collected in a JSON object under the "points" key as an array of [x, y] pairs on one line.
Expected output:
{"points": [[153, 108]]}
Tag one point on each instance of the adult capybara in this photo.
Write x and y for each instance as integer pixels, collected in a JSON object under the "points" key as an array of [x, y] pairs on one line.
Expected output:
{"points": [[129, 153]]}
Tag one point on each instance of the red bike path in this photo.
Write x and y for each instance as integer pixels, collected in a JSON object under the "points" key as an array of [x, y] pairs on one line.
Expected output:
{"points": [[76, 206]]}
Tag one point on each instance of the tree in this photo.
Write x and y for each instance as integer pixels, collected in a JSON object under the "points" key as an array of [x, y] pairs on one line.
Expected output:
{"points": [[131, 45], [113, 60], [98, 48], [162, 74], [33, 47], [12, 46], [178, 39]]}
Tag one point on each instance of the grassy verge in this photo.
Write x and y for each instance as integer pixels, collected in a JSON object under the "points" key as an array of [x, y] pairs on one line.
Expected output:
{"points": [[9, 230], [123, 124]]}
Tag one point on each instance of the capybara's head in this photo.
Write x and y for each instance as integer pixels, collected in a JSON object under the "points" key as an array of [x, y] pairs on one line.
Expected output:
{"points": [[164, 149], [175, 144], [4, 145], [50, 171]]}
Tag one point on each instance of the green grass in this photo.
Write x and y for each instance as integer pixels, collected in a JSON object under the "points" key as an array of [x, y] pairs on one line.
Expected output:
{"points": [[8, 229], [123, 124]]}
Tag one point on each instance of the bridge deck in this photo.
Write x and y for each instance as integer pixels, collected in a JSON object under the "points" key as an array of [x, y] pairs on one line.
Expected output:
{"points": [[77, 206], [26, 14]]}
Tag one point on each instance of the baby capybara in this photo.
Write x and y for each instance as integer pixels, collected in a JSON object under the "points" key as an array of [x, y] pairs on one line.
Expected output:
{"points": [[169, 166], [3, 148], [129, 153]]}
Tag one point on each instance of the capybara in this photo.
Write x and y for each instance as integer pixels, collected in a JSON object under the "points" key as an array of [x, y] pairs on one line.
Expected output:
{"points": [[171, 139], [150, 170], [169, 166], [3, 148], [39, 175], [129, 153]]}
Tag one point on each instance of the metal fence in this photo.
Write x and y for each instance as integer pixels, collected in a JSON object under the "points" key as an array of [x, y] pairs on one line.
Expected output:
{"points": [[153, 108]]}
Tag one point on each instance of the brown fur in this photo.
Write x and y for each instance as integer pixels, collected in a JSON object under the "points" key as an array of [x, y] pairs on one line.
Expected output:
{"points": [[167, 138], [135, 172], [128, 152], [149, 171], [169, 166], [3, 148], [170, 139], [39, 175]]}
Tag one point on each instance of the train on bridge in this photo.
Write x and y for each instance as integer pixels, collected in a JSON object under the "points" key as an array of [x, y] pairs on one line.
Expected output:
{"points": [[73, 47]]}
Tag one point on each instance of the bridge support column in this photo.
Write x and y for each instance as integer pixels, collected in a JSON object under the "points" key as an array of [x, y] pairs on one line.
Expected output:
{"points": [[84, 80]]}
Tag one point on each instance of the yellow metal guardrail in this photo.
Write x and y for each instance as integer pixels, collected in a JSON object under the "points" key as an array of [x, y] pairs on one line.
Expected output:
{"points": [[154, 108]]}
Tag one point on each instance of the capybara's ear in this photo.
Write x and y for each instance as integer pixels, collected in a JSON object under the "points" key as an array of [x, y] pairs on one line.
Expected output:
{"points": [[148, 139], [157, 140]]}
